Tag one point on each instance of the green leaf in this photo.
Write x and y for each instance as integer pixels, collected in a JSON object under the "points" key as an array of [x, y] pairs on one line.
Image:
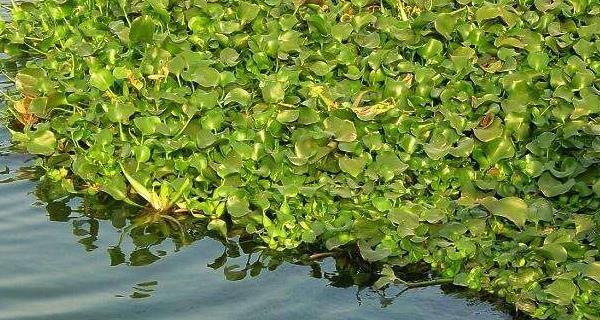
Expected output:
{"points": [[287, 116], [369, 40], [406, 219], [388, 165], [432, 49], [320, 68], [538, 60], [101, 79], [305, 147], [584, 48], [229, 56], [353, 167], [273, 91], [512, 208], [493, 131], [148, 124], [203, 100], [120, 112], [32, 82], [218, 225], [150, 196], [588, 104], [498, 149], [464, 148], [593, 271], [437, 149], [115, 187], [237, 206], [205, 138], [445, 23], [554, 251], [563, 290], [338, 240], [247, 12], [238, 95], [181, 187], [552, 187], [341, 31], [160, 6], [342, 130], [42, 142], [371, 255], [205, 76], [142, 30]]}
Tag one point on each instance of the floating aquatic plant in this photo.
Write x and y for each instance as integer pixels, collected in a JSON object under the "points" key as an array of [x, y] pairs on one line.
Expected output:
{"points": [[464, 134]]}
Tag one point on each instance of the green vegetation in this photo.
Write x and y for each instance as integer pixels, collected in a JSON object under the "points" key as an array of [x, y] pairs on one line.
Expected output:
{"points": [[463, 134]]}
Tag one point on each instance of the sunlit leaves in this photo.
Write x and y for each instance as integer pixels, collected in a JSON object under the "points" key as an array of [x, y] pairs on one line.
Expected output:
{"points": [[147, 125], [512, 208], [445, 23], [115, 187], [405, 218], [490, 11], [463, 134], [219, 226], [238, 95], [367, 113], [237, 206], [341, 31], [584, 48], [498, 149], [373, 255]]}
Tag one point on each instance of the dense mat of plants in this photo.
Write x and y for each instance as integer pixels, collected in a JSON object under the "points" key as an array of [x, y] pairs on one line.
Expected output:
{"points": [[464, 134]]}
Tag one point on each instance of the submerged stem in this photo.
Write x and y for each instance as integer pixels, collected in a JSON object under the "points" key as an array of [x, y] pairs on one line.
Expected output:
{"points": [[420, 284], [318, 256]]}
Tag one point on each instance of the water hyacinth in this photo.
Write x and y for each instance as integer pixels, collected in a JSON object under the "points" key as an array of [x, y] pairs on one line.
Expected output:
{"points": [[464, 134]]}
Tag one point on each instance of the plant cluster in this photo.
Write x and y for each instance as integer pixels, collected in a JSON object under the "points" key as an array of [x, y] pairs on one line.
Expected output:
{"points": [[460, 133]]}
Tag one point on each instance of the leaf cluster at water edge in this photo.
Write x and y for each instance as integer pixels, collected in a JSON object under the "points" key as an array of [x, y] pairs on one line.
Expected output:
{"points": [[464, 134]]}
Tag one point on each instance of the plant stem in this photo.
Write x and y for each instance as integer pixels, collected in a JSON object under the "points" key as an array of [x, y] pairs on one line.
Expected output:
{"points": [[318, 256], [427, 283]]}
